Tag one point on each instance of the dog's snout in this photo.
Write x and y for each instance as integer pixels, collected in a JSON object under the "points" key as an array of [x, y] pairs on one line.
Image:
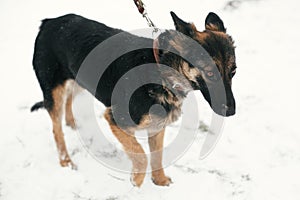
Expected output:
{"points": [[225, 107], [227, 110]]}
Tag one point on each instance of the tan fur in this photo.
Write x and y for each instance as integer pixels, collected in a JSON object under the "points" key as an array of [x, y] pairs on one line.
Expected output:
{"points": [[136, 153], [156, 50], [175, 113], [201, 36], [194, 27], [174, 43], [72, 88], [211, 27], [133, 149], [56, 116], [62, 98], [190, 73], [154, 123], [69, 114], [177, 103], [156, 148]]}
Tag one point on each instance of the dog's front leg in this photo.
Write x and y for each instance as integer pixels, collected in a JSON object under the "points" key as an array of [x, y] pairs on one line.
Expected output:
{"points": [[134, 151], [156, 147]]}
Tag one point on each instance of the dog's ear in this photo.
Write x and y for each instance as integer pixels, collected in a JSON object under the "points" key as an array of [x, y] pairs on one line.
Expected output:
{"points": [[214, 23], [182, 26]]}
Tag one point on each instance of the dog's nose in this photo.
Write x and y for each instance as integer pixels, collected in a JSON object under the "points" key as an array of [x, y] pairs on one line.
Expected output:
{"points": [[228, 111]]}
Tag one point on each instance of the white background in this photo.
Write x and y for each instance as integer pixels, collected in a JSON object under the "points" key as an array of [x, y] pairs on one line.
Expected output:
{"points": [[258, 156]]}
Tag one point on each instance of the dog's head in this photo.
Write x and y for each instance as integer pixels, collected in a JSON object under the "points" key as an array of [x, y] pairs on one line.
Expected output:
{"points": [[209, 70]]}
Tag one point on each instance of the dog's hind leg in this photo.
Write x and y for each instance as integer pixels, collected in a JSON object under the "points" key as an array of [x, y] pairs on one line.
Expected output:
{"points": [[70, 94], [69, 114], [56, 112], [133, 149], [72, 89], [156, 149]]}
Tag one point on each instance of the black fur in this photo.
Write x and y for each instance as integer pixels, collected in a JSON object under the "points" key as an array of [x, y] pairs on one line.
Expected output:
{"points": [[214, 19], [37, 106], [64, 42], [182, 26]]}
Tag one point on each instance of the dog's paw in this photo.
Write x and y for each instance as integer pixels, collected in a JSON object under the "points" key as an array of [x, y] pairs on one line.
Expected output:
{"points": [[137, 179], [68, 163], [71, 123], [162, 180]]}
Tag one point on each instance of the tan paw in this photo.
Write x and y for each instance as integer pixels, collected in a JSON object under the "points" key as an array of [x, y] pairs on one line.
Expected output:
{"points": [[68, 163], [71, 123], [137, 179], [162, 180]]}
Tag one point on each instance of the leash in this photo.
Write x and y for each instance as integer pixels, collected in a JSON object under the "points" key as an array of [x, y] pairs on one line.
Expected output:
{"points": [[141, 8]]}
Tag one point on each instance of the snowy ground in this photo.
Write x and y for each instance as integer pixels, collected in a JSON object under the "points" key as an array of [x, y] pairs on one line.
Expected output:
{"points": [[258, 156]]}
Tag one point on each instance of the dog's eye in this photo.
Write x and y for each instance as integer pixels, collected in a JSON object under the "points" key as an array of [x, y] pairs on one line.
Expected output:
{"points": [[210, 74]]}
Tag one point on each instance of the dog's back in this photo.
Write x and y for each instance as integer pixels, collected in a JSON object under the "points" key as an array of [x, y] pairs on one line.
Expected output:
{"points": [[64, 42], [61, 46]]}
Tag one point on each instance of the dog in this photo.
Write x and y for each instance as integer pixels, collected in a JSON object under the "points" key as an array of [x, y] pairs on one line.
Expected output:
{"points": [[63, 43]]}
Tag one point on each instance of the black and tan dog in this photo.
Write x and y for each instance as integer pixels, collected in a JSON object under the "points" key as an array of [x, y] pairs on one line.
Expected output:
{"points": [[63, 43]]}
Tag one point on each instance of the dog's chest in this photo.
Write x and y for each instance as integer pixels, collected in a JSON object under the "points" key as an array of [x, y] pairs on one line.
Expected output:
{"points": [[158, 118]]}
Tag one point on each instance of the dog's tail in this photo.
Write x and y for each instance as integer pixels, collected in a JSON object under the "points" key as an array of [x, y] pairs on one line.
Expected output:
{"points": [[37, 106]]}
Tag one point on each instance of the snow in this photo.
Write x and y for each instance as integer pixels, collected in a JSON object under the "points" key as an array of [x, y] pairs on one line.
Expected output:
{"points": [[257, 157]]}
